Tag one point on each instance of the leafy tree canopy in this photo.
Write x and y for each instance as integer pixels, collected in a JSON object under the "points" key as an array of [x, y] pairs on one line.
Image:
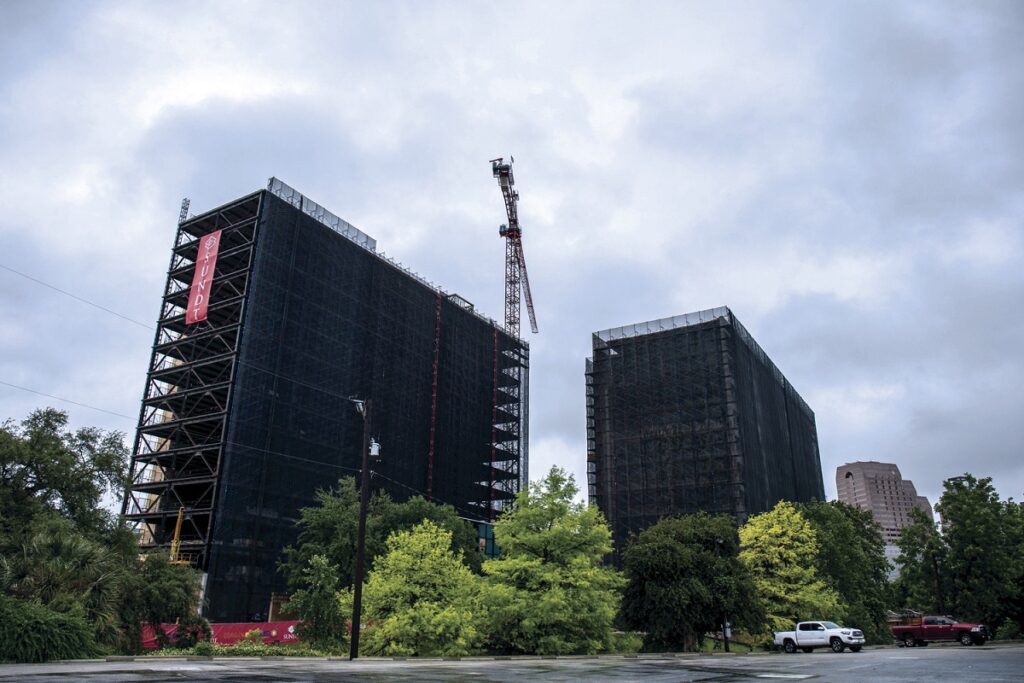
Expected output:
{"points": [[62, 551], [48, 472], [851, 559], [685, 579], [421, 598], [323, 620], [973, 568], [157, 592], [982, 562], [548, 593], [920, 562], [329, 529], [780, 550]]}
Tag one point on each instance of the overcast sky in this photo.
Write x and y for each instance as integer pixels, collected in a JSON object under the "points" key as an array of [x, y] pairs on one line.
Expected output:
{"points": [[847, 177]]}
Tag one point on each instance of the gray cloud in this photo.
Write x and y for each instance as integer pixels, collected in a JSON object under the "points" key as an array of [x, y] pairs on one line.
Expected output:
{"points": [[845, 177]]}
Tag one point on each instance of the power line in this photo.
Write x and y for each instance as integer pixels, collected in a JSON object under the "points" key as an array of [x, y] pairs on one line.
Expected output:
{"points": [[75, 296], [151, 327], [66, 400]]}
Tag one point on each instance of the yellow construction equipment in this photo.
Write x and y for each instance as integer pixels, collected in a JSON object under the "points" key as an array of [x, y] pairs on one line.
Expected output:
{"points": [[176, 557]]}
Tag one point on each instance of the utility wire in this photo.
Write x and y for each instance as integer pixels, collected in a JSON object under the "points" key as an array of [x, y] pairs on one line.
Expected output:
{"points": [[75, 296], [66, 400], [151, 327]]}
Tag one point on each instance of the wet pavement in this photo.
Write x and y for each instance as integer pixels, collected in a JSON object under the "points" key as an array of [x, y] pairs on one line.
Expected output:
{"points": [[992, 663]]}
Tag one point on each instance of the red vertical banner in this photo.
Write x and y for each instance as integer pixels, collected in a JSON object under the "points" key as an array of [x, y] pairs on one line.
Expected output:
{"points": [[199, 295]]}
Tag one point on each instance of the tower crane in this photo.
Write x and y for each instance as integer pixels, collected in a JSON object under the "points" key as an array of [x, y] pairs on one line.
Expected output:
{"points": [[516, 279]]}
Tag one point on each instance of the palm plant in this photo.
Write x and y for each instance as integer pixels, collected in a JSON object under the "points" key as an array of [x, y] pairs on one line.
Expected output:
{"points": [[68, 573]]}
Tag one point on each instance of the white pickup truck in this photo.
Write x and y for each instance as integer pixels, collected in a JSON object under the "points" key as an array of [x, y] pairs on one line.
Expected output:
{"points": [[811, 634]]}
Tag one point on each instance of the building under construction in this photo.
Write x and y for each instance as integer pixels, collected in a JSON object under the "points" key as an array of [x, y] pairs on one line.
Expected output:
{"points": [[688, 414], [276, 315]]}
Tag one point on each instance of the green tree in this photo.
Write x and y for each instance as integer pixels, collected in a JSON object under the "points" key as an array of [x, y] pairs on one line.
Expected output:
{"points": [[548, 593], [420, 597], [407, 514], [684, 579], [59, 547], [49, 472], [982, 563], [156, 592], [851, 559], [1014, 515], [329, 529], [323, 621], [921, 563], [972, 565], [780, 550]]}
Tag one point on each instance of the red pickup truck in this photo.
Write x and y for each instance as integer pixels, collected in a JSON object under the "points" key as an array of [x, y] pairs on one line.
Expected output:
{"points": [[930, 629]]}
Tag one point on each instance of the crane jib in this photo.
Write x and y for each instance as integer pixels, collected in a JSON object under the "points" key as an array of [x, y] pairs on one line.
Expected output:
{"points": [[516, 278]]}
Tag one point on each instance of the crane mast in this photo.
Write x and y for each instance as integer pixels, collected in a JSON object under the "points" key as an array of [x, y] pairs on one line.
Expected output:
{"points": [[516, 278]]}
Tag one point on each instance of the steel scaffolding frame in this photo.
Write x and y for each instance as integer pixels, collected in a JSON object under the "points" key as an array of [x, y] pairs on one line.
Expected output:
{"points": [[180, 440]]}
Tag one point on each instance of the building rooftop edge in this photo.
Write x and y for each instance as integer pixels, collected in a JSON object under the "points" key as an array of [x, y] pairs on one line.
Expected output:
{"points": [[696, 318], [283, 191], [663, 324], [290, 195]]}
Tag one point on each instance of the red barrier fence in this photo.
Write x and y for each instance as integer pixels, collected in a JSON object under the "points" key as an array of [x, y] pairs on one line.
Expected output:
{"points": [[229, 634]]}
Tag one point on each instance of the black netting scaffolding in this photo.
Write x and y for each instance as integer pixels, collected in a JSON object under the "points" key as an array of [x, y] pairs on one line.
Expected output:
{"points": [[688, 414], [321, 319]]}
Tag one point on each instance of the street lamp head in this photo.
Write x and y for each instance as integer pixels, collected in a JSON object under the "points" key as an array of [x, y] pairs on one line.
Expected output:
{"points": [[360, 406]]}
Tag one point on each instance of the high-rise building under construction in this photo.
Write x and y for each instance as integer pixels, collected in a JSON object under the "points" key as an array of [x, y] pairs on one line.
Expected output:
{"points": [[277, 316], [688, 414]]}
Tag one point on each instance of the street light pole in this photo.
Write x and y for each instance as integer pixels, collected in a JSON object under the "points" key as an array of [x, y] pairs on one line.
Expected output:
{"points": [[364, 408], [725, 615]]}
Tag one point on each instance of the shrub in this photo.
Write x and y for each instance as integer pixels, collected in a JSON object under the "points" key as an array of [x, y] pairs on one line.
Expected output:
{"points": [[30, 632], [192, 629], [255, 636], [625, 643], [246, 649], [1009, 630]]}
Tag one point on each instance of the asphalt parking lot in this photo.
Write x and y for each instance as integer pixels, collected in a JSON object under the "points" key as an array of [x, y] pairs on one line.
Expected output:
{"points": [[987, 663]]}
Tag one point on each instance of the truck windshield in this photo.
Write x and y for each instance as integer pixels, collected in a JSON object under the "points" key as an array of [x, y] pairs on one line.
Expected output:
{"points": [[830, 625]]}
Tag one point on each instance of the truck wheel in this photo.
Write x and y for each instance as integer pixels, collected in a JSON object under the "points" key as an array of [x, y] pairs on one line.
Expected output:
{"points": [[965, 639], [855, 648], [837, 645], [789, 646], [908, 641]]}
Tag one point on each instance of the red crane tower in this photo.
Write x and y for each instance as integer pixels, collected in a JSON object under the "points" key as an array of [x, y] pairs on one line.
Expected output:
{"points": [[515, 262]]}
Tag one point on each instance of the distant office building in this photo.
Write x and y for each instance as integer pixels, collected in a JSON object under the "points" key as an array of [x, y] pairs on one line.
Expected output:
{"points": [[275, 314], [689, 414], [879, 488]]}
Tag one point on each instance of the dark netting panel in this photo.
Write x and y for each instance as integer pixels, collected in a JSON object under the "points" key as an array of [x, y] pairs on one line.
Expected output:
{"points": [[664, 437], [325, 320], [683, 416], [778, 432]]}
